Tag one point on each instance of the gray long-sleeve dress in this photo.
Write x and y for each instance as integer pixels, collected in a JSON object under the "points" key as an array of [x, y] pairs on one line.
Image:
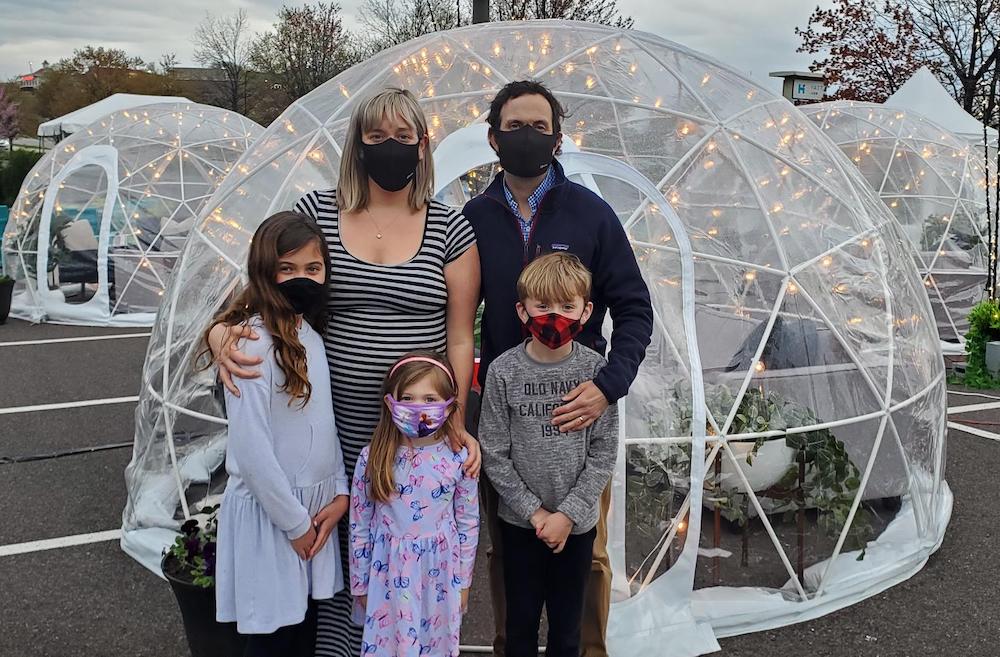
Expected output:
{"points": [[285, 464]]}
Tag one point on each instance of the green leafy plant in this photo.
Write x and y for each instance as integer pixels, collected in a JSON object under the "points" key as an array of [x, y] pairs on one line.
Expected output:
{"points": [[830, 485], [194, 549], [4, 278], [984, 326]]}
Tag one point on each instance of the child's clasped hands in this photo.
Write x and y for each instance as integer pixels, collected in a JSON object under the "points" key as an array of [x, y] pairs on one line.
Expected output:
{"points": [[552, 528]]}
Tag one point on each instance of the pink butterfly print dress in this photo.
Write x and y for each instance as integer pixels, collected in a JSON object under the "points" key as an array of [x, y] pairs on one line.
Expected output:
{"points": [[413, 556]]}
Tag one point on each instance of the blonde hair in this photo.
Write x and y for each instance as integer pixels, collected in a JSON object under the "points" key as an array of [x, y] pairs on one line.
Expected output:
{"points": [[554, 278], [352, 188], [387, 436]]}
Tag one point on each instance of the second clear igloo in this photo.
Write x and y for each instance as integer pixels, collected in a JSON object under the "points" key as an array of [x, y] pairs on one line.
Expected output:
{"points": [[782, 449], [102, 217], [935, 183]]}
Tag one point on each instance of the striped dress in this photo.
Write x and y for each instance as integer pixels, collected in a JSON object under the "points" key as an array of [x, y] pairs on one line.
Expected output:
{"points": [[377, 314]]}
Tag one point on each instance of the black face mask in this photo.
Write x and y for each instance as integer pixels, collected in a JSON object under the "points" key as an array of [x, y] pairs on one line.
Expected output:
{"points": [[304, 295], [525, 152], [391, 164]]}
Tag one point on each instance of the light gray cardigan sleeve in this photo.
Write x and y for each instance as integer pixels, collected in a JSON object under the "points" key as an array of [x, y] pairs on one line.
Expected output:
{"points": [[602, 453], [495, 440], [251, 444]]}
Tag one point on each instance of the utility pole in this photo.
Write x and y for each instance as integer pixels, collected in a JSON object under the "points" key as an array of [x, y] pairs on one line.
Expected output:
{"points": [[480, 11]]}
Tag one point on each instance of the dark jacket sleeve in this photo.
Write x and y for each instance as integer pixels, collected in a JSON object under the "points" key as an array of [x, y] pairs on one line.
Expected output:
{"points": [[618, 283]]}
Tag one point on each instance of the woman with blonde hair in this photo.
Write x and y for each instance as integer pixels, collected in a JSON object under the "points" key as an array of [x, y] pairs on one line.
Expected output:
{"points": [[404, 277]]}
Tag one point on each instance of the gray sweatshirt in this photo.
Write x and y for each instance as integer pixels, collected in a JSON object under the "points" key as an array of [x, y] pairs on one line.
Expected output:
{"points": [[527, 460]]}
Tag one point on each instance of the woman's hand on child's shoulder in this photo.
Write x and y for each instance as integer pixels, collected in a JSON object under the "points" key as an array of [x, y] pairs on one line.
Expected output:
{"points": [[474, 461], [222, 341]]}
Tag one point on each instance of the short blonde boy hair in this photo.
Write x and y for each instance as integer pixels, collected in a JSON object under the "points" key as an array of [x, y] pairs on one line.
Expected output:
{"points": [[352, 188], [554, 278]]}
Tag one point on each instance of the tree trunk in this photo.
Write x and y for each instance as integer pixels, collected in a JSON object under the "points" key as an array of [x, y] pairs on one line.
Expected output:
{"points": [[480, 11], [969, 95]]}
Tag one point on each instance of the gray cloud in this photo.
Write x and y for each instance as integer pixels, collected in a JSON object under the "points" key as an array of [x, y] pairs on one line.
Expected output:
{"points": [[52, 29], [756, 36]]}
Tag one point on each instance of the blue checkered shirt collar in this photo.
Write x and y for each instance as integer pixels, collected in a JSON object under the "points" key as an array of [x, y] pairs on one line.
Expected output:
{"points": [[533, 201]]}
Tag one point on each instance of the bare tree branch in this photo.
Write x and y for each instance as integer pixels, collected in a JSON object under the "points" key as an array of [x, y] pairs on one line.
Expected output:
{"points": [[225, 43]]}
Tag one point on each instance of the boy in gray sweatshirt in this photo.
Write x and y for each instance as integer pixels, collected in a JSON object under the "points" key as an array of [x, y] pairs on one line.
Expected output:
{"points": [[549, 483]]}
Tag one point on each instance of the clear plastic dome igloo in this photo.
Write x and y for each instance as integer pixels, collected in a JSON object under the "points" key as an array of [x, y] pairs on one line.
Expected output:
{"points": [[935, 184], [101, 219], [782, 448]]}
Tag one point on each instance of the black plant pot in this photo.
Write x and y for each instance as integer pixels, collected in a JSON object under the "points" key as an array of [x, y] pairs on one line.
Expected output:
{"points": [[6, 291], [206, 637]]}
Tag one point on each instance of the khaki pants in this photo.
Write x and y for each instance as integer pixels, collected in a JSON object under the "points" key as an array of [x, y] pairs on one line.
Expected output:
{"points": [[598, 598]]}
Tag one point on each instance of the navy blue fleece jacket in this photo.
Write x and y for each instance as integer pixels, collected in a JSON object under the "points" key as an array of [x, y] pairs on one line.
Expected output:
{"points": [[574, 219]]}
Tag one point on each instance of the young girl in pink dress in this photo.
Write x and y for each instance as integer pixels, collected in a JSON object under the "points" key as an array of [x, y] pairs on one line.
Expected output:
{"points": [[414, 517]]}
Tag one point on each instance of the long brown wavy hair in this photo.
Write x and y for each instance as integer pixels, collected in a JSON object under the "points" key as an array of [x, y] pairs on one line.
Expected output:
{"points": [[387, 437], [279, 235]]}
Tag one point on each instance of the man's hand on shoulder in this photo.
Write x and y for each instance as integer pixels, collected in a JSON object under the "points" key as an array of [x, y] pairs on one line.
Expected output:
{"points": [[585, 404]]}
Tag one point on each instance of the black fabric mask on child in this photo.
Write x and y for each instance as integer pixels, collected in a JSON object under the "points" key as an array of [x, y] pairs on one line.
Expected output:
{"points": [[304, 295], [391, 164]]}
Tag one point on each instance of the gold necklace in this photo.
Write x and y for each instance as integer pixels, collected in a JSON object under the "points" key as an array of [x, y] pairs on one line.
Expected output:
{"points": [[378, 229]]}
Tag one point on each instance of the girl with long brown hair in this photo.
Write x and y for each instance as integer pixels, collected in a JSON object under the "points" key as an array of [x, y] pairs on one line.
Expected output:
{"points": [[414, 516], [287, 485]]}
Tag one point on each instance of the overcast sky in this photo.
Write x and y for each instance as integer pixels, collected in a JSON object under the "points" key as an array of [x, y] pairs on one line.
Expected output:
{"points": [[754, 35]]}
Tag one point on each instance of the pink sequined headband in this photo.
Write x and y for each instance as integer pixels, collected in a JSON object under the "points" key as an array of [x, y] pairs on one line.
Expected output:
{"points": [[422, 359]]}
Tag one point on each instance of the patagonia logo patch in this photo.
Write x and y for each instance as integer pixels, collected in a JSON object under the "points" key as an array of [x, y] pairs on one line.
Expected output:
{"points": [[560, 247]]}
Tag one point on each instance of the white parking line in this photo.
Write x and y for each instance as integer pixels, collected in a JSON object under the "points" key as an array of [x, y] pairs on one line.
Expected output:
{"points": [[972, 408], [982, 433], [61, 542], [117, 336], [76, 404]]}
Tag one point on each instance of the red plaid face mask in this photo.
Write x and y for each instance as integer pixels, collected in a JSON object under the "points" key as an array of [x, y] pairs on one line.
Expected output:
{"points": [[553, 330]]}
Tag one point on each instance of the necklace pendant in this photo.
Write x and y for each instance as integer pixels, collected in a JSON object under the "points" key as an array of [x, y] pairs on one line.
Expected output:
{"points": [[378, 236]]}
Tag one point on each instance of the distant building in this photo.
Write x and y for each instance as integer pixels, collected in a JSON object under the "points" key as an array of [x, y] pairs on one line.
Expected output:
{"points": [[194, 74], [31, 81], [200, 84]]}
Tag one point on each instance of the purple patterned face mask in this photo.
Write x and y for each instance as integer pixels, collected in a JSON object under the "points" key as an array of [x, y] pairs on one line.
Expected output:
{"points": [[418, 419]]}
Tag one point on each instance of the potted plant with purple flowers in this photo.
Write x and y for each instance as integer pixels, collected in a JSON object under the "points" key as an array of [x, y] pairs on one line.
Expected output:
{"points": [[189, 566]]}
